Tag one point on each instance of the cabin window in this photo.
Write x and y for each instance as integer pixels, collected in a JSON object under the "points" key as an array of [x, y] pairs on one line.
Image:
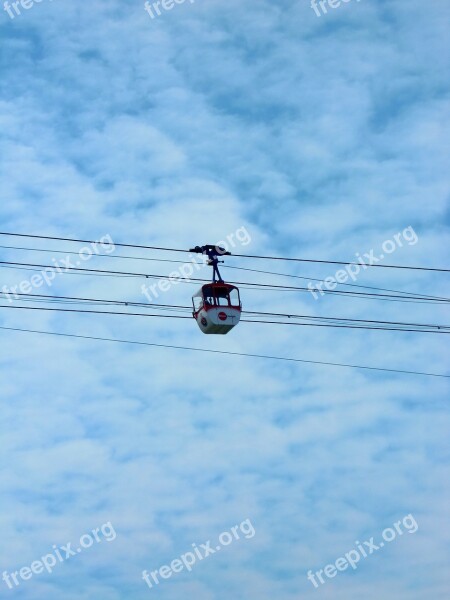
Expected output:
{"points": [[198, 303], [220, 296], [234, 298]]}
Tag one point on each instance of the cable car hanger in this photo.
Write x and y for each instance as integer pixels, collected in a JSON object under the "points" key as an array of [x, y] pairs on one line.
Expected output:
{"points": [[212, 252]]}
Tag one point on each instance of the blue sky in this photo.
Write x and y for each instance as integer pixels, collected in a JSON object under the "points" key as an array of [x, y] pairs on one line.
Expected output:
{"points": [[323, 137]]}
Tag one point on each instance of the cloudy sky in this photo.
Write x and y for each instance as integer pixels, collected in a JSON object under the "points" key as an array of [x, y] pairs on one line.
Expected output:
{"points": [[321, 136]]}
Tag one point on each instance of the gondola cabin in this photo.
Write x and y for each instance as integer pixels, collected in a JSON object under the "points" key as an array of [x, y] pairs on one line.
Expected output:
{"points": [[217, 308]]}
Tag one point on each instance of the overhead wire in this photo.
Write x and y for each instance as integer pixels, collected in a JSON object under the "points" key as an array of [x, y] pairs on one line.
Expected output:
{"points": [[318, 321], [224, 352], [313, 279], [180, 262], [253, 256], [263, 286], [439, 330], [341, 262], [63, 239], [180, 308], [167, 260]]}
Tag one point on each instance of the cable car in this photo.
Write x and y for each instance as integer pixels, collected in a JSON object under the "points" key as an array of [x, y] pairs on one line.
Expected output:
{"points": [[217, 305], [217, 308]]}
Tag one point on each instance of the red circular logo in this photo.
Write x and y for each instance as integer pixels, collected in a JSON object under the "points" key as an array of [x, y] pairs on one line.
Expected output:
{"points": [[222, 316]]}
